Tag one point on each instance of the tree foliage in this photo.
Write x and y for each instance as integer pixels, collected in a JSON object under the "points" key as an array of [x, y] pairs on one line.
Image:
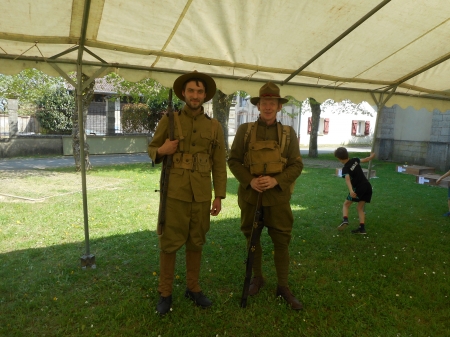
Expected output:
{"points": [[135, 117], [138, 92], [29, 86], [140, 117], [344, 107], [147, 90], [55, 109]]}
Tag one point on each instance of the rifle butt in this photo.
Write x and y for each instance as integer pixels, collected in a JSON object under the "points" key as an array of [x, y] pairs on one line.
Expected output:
{"points": [[159, 229]]}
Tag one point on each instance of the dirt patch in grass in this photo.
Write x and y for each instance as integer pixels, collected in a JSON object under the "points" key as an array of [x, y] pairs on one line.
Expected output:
{"points": [[37, 186]]}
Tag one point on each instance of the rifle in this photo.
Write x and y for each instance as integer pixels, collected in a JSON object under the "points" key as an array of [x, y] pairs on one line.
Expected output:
{"points": [[165, 172], [258, 225]]}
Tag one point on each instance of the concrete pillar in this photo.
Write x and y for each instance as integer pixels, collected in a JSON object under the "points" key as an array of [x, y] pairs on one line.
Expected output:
{"points": [[13, 106], [110, 117], [118, 125]]}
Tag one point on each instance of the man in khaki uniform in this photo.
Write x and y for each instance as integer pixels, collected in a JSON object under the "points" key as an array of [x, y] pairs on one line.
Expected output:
{"points": [[198, 151], [256, 163]]}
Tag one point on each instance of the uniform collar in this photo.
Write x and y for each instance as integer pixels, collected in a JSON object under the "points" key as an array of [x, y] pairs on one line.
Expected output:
{"points": [[262, 123], [190, 113]]}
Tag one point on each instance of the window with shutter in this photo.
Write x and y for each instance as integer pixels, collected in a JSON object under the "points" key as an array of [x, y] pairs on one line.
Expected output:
{"points": [[367, 128], [326, 126], [354, 127]]}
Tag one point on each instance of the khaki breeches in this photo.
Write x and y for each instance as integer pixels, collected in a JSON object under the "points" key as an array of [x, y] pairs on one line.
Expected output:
{"points": [[186, 224], [278, 220]]}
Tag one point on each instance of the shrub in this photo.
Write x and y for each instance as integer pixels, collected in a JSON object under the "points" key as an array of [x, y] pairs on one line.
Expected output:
{"points": [[139, 117], [134, 118], [55, 109]]}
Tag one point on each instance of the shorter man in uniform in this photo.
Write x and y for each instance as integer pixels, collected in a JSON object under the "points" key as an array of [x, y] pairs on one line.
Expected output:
{"points": [[198, 152], [265, 158]]}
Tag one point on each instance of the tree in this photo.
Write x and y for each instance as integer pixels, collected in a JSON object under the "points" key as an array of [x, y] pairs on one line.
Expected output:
{"points": [[344, 107], [347, 107], [87, 96], [221, 111], [137, 92], [158, 105], [147, 90], [29, 86], [315, 119]]}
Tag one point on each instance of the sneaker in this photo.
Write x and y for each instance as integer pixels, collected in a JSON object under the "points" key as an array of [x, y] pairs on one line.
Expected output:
{"points": [[343, 225], [446, 214], [359, 230], [198, 298], [164, 305]]}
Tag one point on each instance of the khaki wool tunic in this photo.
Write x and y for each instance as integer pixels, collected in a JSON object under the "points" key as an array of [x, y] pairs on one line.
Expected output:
{"points": [[279, 194], [192, 185]]}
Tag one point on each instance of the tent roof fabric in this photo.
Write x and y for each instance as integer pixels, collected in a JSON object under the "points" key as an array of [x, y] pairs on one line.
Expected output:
{"points": [[340, 49]]}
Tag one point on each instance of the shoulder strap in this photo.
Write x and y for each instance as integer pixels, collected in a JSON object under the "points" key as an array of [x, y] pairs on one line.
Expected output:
{"points": [[180, 132], [248, 132], [285, 138], [214, 127]]}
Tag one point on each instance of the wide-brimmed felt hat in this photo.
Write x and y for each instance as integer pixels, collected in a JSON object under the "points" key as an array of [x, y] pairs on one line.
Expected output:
{"points": [[180, 81], [269, 90]]}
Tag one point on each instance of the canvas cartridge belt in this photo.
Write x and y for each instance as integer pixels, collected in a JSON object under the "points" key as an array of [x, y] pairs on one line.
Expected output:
{"points": [[200, 162]]}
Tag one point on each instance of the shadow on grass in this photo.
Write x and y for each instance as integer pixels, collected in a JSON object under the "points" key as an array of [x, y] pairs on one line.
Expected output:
{"points": [[392, 282]]}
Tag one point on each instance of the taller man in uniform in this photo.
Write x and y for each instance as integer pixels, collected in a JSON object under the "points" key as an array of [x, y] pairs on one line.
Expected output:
{"points": [[265, 158], [198, 152]]}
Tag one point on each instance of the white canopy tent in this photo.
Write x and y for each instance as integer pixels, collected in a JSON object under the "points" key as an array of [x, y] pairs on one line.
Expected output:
{"points": [[340, 49]]}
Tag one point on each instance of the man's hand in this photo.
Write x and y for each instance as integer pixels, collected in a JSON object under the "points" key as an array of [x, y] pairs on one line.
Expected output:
{"points": [[169, 147], [263, 183], [353, 194], [216, 206]]}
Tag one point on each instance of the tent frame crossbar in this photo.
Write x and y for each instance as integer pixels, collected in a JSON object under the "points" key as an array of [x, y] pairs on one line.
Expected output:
{"points": [[336, 40]]}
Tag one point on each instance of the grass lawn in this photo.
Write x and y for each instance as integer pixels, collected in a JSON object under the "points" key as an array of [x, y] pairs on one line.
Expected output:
{"points": [[392, 282]]}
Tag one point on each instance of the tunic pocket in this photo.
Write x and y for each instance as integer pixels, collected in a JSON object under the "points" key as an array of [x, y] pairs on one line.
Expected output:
{"points": [[203, 162]]}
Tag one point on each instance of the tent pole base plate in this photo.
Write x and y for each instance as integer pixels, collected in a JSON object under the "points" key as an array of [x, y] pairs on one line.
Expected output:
{"points": [[88, 261]]}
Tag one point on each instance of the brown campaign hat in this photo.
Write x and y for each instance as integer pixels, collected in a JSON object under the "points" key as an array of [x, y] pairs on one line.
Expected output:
{"points": [[269, 90], [210, 84]]}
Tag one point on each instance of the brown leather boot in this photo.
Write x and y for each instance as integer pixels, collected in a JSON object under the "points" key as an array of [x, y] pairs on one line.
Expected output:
{"points": [[256, 284], [290, 299]]}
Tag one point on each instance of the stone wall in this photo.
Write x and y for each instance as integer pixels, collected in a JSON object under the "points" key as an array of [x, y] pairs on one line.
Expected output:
{"points": [[396, 146], [384, 144], [38, 145], [23, 146], [438, 154]]}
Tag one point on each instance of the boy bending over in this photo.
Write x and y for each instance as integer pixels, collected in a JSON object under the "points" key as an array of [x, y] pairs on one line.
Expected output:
{"points": [[359, 188]]}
